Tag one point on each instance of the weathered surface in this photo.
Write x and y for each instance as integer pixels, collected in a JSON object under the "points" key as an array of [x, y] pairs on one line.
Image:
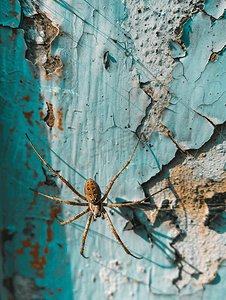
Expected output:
{"points": [[108, 70]]}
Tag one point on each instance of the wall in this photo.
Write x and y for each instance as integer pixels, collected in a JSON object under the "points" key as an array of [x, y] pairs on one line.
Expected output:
{"points": [[83, 80]]}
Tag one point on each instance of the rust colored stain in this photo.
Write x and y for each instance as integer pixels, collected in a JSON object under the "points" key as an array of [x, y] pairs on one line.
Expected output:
{"points": [[40, 183], [59, 117], [136, 281], [55, 135], [51, 293], [14, 32], [14, 127], [50, 222], [27, 166], [40, 275], [48, 76], [30, 131], [37, 262], [20, 251], [34, 201], [41, 114], [46, 249], [37, 122], [35, 174], [28, 116], [28, 147], [26, 98], [40, 97], [59, 290]]}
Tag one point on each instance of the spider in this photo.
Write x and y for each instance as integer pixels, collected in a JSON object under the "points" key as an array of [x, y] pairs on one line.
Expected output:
{"points": [[94, 201]]}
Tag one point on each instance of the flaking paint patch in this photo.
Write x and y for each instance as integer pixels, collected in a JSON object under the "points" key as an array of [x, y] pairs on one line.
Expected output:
{"points": [[50, 118], [39, 33], [199, 102], [196, 196]]}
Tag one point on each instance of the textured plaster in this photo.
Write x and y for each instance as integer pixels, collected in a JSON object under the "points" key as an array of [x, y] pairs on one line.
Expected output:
{"points": [[98, 73]]}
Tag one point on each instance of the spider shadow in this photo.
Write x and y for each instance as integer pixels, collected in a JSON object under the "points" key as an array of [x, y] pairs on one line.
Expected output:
{"points": [[138, 221]]}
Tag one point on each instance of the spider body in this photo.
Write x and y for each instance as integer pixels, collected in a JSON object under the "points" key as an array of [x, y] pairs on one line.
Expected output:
{"points": [[93, 195], [92, 191], [93, 200]]}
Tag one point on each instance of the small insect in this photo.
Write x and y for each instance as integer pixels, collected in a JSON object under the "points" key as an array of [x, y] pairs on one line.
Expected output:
{"points": [[96, 205]]}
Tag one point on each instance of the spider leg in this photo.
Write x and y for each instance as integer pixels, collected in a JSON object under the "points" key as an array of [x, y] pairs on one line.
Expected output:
{"points": [[85, 234], [74, 218], [133, 203], [117, 175], [60, 200], [51, 169], [117, 236]]}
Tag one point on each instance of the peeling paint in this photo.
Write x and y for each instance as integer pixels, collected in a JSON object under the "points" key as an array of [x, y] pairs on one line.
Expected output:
{"points": [[50, 118], [39, 33], [198, 94], [106, 69]]}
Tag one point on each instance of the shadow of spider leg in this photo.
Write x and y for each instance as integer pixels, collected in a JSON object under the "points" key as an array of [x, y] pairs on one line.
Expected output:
{"points": [[117, 236]]}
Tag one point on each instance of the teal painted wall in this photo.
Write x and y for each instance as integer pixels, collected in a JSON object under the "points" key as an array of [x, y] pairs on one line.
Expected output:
{"points": [[111, 69]]}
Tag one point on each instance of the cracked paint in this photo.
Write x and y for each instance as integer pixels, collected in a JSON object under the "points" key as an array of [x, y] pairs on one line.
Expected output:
{"points": [[106, 70], [200, 100]]}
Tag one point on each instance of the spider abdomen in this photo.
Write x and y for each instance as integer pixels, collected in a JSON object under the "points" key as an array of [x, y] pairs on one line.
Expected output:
{"points": [[92, 191]]}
